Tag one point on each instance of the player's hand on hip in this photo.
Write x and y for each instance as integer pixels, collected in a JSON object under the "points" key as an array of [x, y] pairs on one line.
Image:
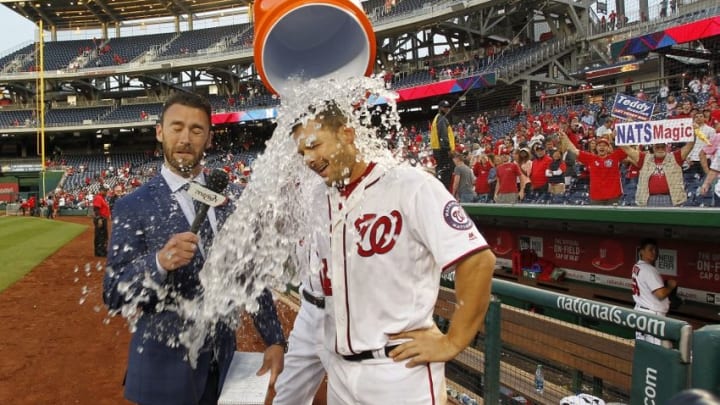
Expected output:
{"points": [[426, 346], [178, 251], [273, 361]]}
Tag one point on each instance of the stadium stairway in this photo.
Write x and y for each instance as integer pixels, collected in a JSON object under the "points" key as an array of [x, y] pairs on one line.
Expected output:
{"points": [[526, 61]]}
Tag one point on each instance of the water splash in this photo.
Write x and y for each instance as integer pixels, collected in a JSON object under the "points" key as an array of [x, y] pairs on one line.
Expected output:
{"points": [[257, 247]]}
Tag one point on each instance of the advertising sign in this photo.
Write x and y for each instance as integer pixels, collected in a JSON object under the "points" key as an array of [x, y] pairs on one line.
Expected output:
{"points": [[631, 108], [608, 260], [651, 132], [8, 192]]}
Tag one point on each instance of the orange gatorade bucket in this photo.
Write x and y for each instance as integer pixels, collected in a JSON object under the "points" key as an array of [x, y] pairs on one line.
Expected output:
{"points": [[310, 40]]}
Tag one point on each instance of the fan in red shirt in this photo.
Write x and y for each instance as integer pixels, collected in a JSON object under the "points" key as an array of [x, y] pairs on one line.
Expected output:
{"points": [[102, 215], [506, 191], [604, 169], [538, 178], [662, 181], [481, 170]]}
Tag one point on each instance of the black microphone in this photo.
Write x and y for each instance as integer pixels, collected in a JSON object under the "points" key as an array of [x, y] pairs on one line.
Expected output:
{"points": [[217, 181]]}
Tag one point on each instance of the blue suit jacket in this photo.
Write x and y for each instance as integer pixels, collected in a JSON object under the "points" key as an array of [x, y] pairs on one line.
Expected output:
{"points": [[143, 221]]}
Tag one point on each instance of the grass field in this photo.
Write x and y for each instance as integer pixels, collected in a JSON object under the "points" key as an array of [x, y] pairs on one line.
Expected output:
{"points": [[27, 241]]}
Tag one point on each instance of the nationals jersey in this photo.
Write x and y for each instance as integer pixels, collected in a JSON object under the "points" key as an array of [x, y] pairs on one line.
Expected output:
{"points": [[390, 239], [645, 280]]}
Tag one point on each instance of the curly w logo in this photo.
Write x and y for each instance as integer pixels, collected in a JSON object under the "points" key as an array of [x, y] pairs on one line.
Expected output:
{"points": [[378, 233]]}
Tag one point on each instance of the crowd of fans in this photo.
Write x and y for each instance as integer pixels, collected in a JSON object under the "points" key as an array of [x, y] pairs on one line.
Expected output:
{"points": [[552, 157], [561, 155], [82, 181]]}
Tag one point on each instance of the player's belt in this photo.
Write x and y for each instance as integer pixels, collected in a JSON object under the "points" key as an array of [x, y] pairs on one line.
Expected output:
{"points": [[369, 354], [317, 301]]}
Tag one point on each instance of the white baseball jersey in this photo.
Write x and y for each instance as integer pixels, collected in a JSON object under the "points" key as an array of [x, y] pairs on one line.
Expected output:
{"points": [[391, 238], [307, 357], [645, 280]]}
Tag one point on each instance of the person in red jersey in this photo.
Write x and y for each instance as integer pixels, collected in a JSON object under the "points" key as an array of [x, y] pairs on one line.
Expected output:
{"points": [[506, 191], [661, 181], [604, 169], [482, 169], [101, 210], [538, 176]]}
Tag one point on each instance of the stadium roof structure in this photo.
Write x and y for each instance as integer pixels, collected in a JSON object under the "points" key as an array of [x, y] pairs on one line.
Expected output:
{"points": [[93, 14]]}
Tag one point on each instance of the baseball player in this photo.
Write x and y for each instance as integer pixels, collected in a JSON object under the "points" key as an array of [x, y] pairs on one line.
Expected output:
{"points": [[306, 358], [649, 291], [393, 230]]}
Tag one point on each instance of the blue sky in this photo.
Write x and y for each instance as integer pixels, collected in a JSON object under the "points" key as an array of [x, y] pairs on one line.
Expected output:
{"points": [[16, 30]]}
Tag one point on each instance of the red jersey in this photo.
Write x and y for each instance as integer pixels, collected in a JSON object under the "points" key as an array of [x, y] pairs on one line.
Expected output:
{"points": [[482, 173], [633, 172], [604, 174], [714, 117], [657, 183], [538, 178], [102, 205], [507, 174]]}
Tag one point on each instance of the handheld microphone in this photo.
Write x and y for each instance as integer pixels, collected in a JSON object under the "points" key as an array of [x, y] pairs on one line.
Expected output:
{"points": [[217, 181]]}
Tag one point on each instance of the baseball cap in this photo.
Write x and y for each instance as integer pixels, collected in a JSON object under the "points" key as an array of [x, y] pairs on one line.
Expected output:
{"points": [[444, 103], [604, 140]]}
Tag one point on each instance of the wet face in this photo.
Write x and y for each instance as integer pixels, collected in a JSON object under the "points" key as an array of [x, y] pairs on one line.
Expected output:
{"points": [[185, 134], [329, 153]]}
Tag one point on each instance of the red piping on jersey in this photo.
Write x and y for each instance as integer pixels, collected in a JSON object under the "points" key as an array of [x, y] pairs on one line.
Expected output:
{"points": [[430, 379], [459, 259], [347, 190], [347, 299]]}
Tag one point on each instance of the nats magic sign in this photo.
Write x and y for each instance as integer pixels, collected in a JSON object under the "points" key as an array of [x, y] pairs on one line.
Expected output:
{"points": [[651, 132], [631, 108]]}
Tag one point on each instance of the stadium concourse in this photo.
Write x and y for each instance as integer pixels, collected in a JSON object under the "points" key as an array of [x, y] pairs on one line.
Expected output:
{"points": [[517, 75]]}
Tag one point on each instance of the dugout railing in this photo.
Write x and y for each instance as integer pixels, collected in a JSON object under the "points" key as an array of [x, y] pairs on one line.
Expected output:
{"points": [[576, 359]]}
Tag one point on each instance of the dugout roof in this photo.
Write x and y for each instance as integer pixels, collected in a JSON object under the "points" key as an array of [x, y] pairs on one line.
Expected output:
{"points": [[91, 14]]}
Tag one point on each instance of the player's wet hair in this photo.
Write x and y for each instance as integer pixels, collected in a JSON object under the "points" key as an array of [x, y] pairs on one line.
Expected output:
{"points": [[328, 114], [647, 242], [189, 100]]}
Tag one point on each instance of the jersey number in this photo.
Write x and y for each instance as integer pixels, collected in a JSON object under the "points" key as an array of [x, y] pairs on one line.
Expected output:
{"points": [[635, 288]]}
